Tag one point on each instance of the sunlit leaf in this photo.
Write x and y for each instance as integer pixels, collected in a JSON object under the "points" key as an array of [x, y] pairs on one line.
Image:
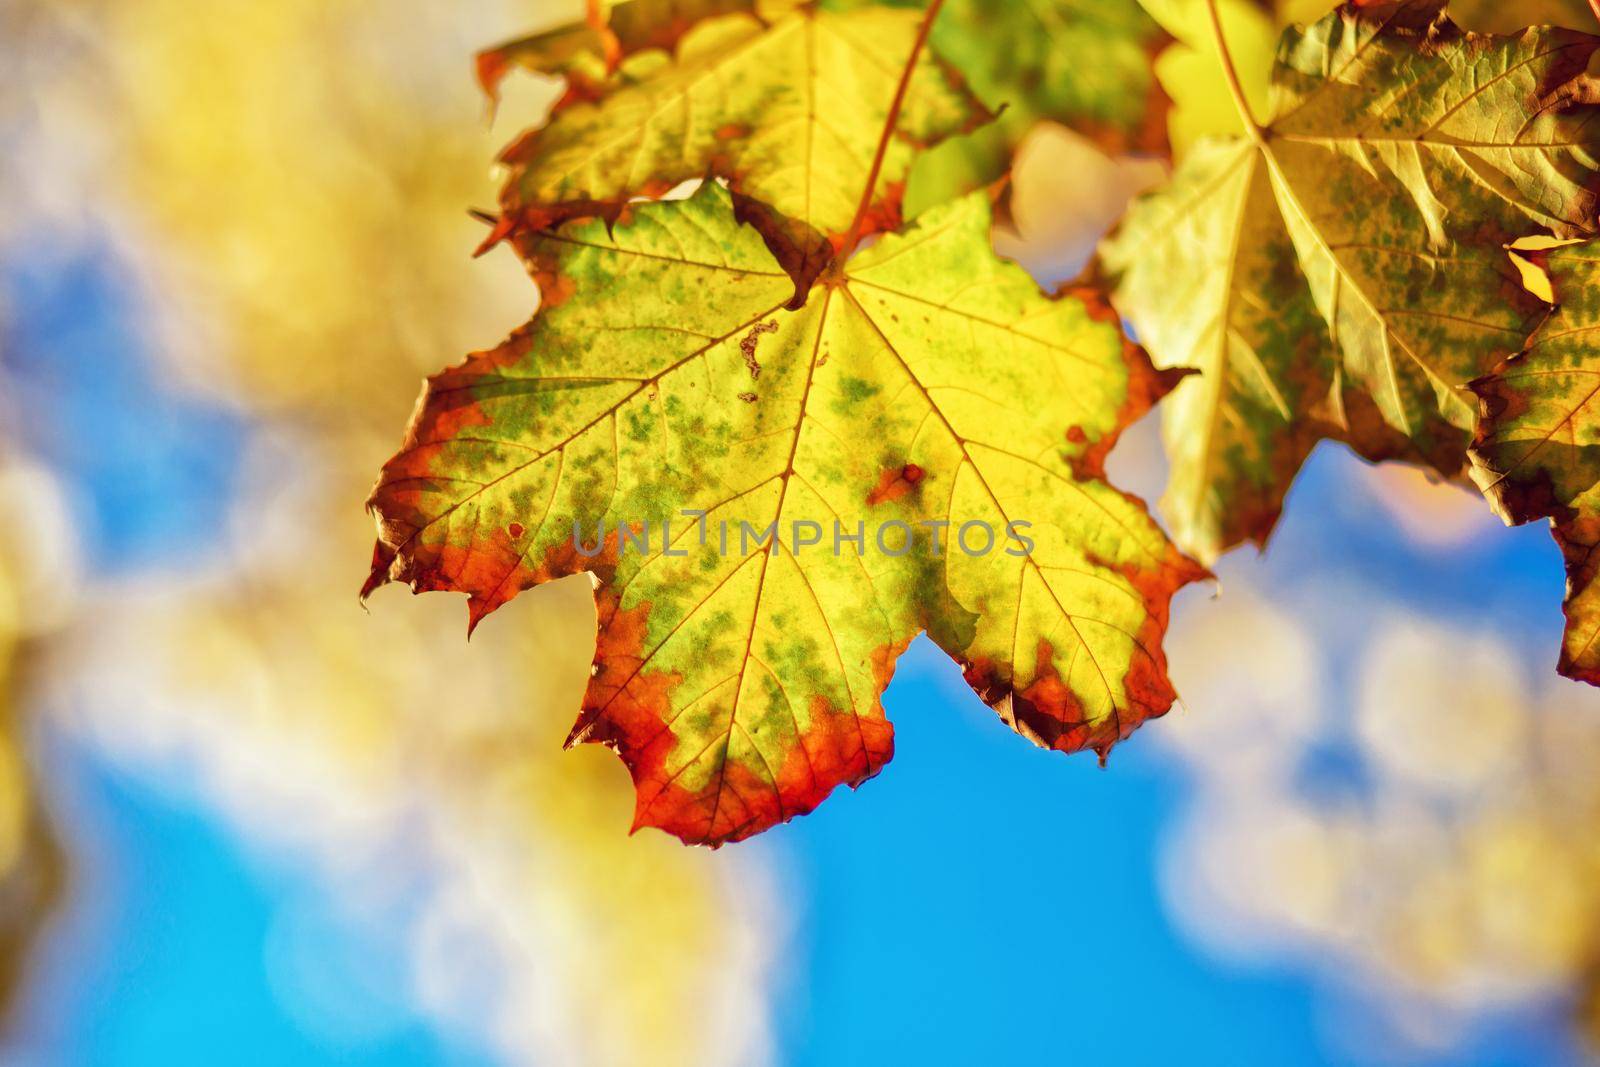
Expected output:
{"points": [[790, 112], [1190, 70], [665, 373], [1537, 453], [1344, 274]]}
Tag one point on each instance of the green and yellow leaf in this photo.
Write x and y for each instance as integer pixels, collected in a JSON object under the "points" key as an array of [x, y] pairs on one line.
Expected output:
{"points": [[923, 389], [1343, 275], [1085, 64], [1538, 438], [790, 112]]}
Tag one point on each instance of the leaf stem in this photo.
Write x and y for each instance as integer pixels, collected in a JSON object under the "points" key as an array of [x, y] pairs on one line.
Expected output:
{"points": [[1241, 102], [853, 235]]}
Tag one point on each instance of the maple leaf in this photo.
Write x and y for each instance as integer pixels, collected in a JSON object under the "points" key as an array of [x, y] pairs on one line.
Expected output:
{"points": [[739, 676], [1538, 435], [790, 105], [1019, 59], [1339, 273]]}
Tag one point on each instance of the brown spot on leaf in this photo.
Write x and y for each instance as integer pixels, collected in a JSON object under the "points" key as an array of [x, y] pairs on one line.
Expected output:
{"points": [[895, 483], [882, 215], [749, 398], [747, 346]]}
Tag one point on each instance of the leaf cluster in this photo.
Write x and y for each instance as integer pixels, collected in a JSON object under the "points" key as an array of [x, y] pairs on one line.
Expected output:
{"points": [[760, 233]]}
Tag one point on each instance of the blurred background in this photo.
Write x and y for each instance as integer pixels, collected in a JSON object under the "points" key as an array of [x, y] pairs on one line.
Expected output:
{"points": [[243, 821]]}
